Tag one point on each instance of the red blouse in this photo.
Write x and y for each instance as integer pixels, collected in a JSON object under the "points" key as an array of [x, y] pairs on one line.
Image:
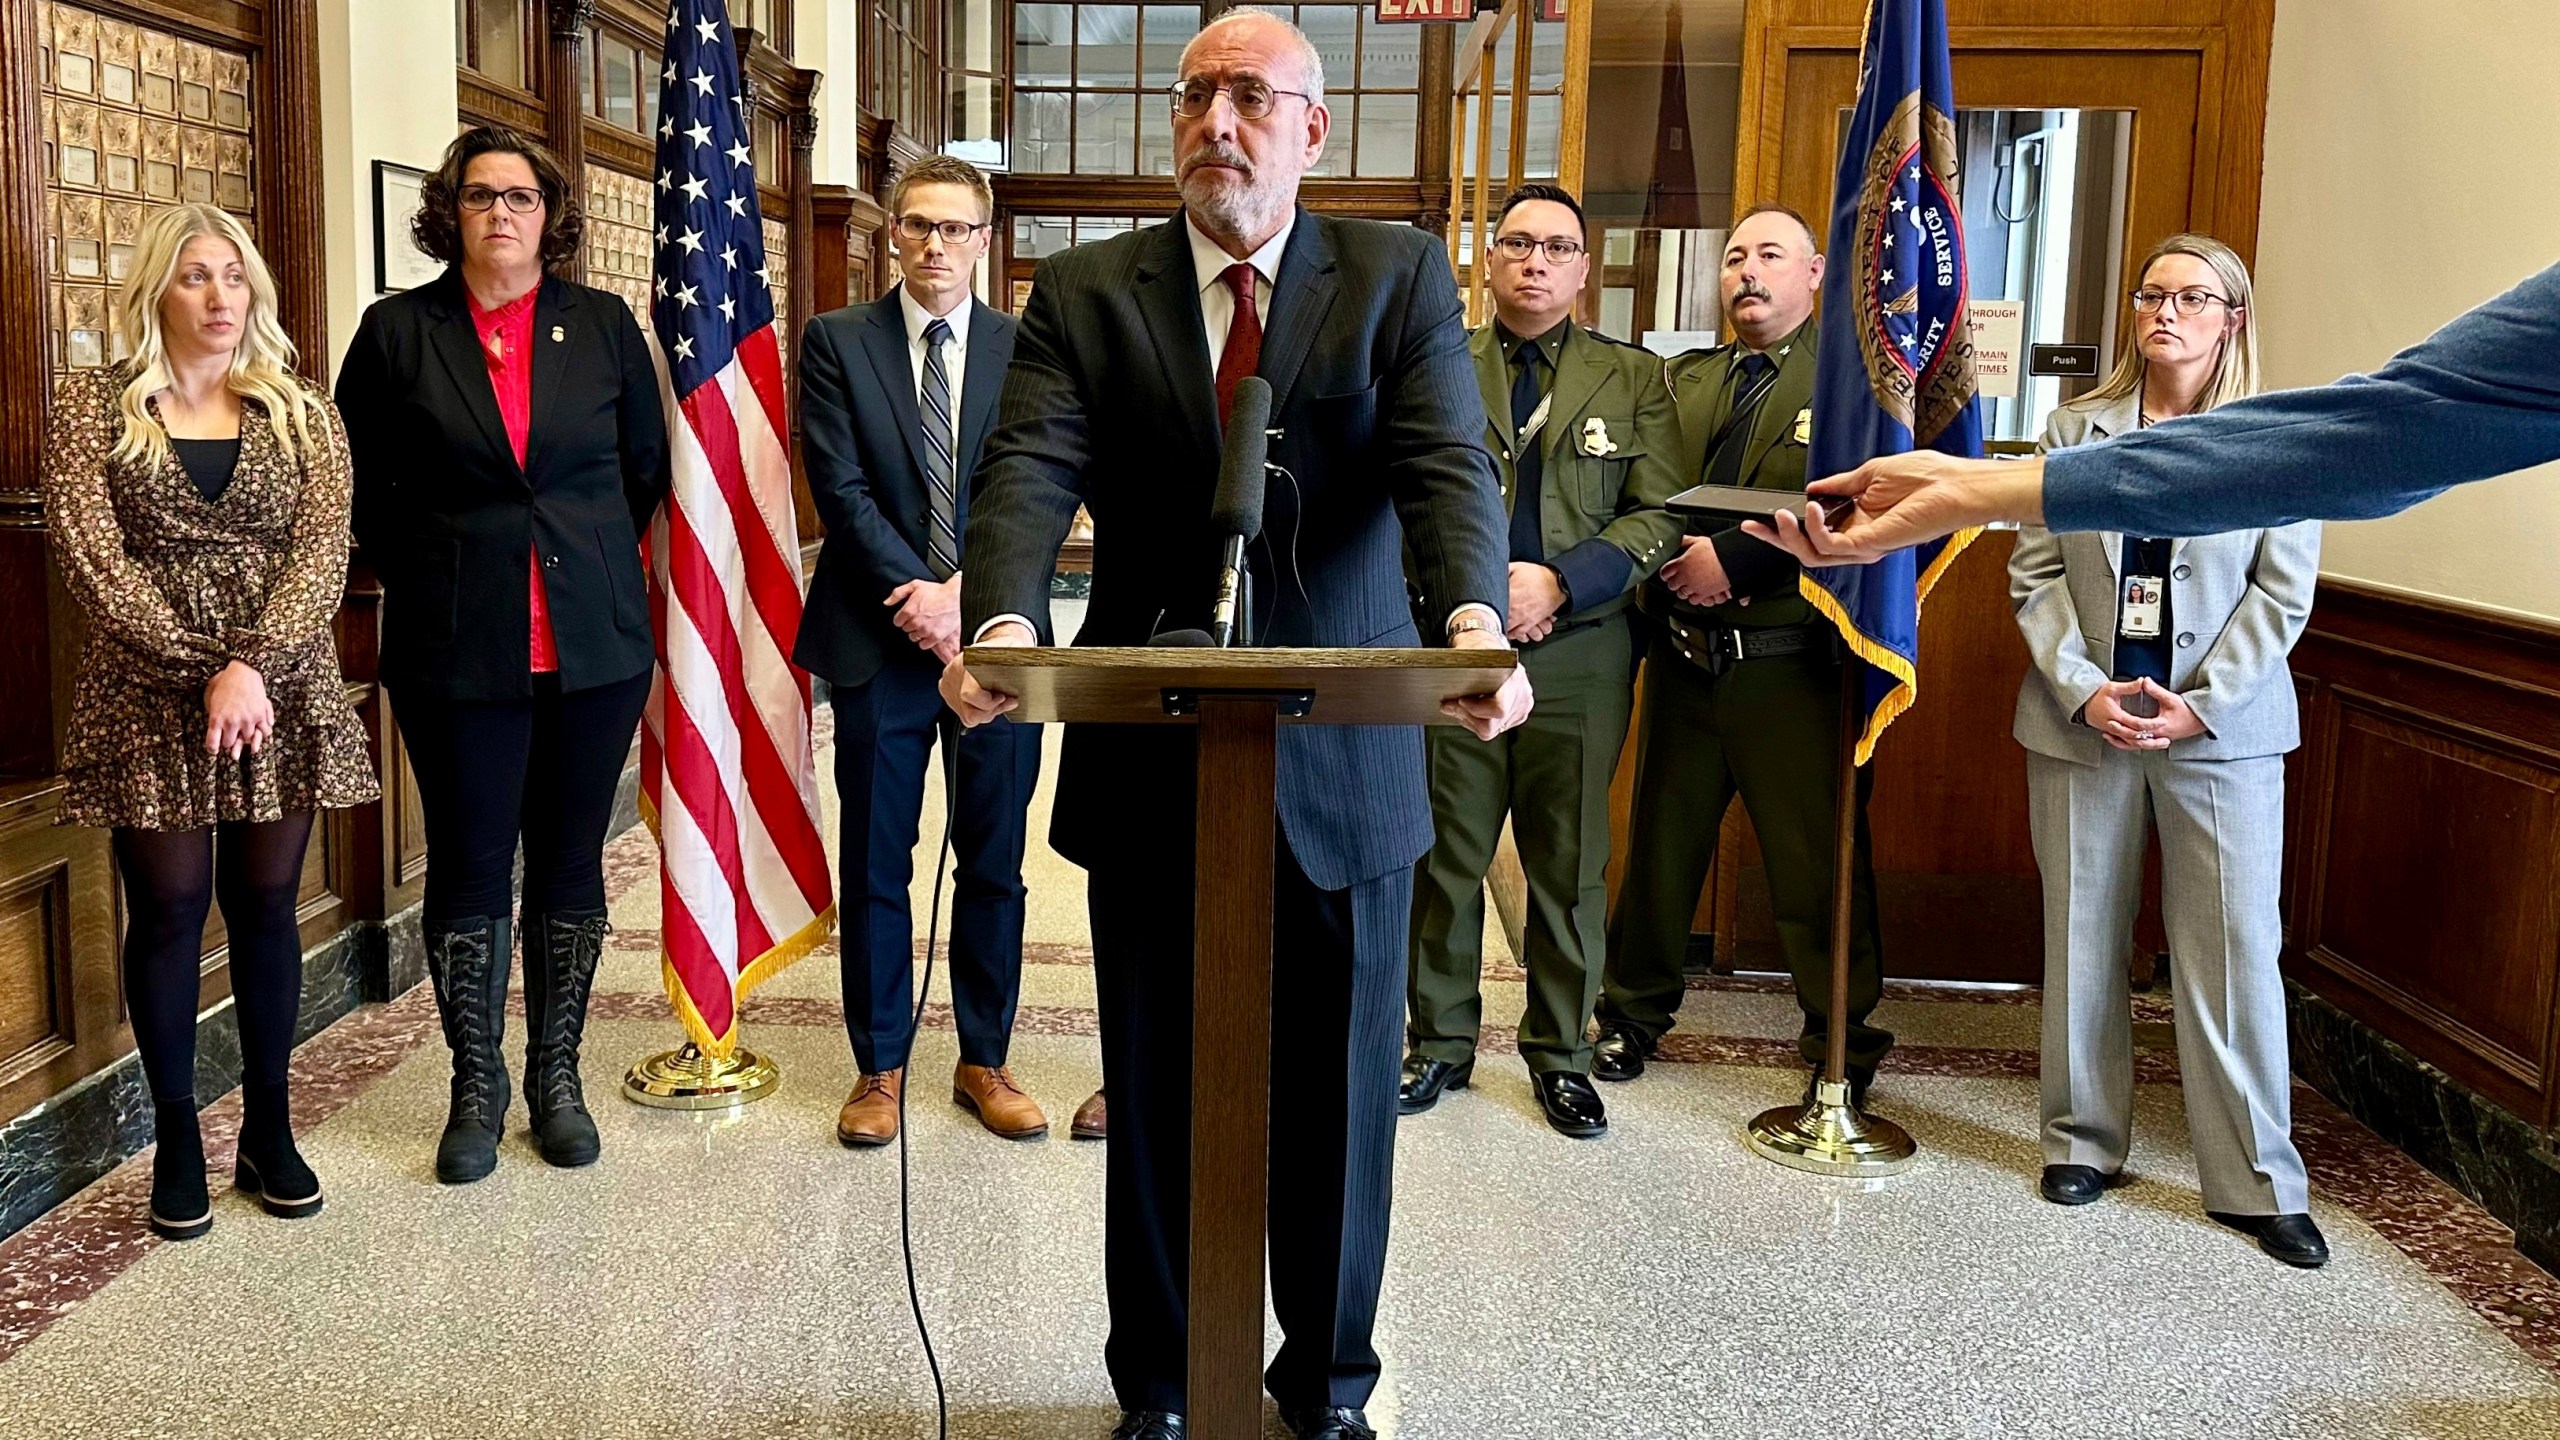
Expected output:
{"points": [[506, 341]]}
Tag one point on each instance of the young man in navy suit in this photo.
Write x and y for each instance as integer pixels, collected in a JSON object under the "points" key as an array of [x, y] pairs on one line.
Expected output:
{"points": [[896, 398]]}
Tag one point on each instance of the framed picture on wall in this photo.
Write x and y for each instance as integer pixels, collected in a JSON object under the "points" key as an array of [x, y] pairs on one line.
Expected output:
{"points": [[398, 264]]}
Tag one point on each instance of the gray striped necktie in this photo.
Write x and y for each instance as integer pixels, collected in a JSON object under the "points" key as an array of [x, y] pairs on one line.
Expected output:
{"points": [[942, 542]]}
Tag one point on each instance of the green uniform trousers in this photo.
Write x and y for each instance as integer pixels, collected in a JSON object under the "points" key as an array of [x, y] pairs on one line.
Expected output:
{"points": [[1551, 776], [1769, 729]]}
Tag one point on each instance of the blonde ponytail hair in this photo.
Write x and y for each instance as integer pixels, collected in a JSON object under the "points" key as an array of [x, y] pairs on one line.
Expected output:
{"points": [[262, 366]]}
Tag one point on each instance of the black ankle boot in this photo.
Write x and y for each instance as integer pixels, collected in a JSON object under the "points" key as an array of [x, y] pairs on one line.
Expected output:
{"points": [[467, 960], [180, 1209], [557, 985], [268, 1165]]}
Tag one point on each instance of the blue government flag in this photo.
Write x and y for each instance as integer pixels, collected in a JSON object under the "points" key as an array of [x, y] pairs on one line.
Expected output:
{"points": [[1895, 368]]}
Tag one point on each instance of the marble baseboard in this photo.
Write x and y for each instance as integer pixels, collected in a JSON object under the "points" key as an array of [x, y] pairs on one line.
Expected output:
{"points": [[2494, 1157], [55, 1150], [395, 958]]}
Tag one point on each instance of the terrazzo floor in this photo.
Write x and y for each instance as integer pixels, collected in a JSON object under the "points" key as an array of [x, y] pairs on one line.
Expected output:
{"points": [[740, 1274]]}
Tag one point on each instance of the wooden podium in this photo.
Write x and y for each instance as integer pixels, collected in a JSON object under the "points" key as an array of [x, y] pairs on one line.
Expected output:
{"points": [[1238, 699]]}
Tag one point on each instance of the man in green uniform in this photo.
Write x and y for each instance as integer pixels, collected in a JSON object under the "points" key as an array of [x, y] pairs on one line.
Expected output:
{"points": [[1583, 438], [1742, 684]]}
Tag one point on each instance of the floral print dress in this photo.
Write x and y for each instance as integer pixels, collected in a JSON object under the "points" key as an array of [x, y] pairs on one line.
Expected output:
{"points": [[174, 587]]}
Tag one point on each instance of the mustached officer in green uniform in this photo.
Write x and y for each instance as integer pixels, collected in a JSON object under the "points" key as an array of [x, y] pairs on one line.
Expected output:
{"points": [[1583, 438], [1742, 684]]}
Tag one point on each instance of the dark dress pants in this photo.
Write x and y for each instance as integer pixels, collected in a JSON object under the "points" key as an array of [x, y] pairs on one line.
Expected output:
{"points": [[1336, 980], [542, 770], [1768, 729], [885, 734]]}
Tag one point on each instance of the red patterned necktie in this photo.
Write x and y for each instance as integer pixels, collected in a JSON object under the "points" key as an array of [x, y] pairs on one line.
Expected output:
{"points": [[1243, 354]]}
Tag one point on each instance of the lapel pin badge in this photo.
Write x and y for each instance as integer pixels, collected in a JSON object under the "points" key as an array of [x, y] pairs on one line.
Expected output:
{"points": [[559, 333], [1804, 426], [1595, 437]]}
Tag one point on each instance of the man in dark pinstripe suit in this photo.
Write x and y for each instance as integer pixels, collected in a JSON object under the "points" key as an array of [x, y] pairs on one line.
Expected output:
{"points": [[1112, 401]]}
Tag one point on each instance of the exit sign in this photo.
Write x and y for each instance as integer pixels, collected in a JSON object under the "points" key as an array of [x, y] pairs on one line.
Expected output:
{"points": [[1417, 11]]}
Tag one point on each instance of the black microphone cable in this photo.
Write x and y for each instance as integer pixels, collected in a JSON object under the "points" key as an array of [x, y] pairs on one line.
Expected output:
{"points": [[947, 729]]}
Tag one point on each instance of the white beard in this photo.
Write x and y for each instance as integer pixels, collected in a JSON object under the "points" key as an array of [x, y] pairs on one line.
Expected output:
{"points": [[1247, 209]]}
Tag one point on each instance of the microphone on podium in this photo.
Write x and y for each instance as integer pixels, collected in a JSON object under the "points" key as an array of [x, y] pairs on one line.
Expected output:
{"points": [[1236, 512]]}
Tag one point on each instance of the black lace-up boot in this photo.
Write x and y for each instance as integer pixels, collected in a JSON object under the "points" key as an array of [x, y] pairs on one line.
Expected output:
{"points": [[467, 960], [560, 954]]}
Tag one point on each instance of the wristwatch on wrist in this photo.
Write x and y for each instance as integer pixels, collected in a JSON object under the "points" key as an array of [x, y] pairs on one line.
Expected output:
{"points": [[1472, 621]]}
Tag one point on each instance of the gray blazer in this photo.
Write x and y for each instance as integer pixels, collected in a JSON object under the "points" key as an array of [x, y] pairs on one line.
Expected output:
{"points": [[2239, 601]]}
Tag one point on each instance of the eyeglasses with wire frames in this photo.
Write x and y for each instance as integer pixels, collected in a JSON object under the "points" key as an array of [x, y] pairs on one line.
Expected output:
{"points": [[953, 232], [522, 199], [1253, 98], [2190, 302], [1516, 248]]}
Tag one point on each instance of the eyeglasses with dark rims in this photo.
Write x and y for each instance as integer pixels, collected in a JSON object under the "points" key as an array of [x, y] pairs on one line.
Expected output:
{"points": [[953, 232], [523, 200]]}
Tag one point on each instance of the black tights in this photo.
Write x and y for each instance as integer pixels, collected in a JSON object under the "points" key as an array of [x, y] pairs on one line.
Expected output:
{"points": [[254, 870]]}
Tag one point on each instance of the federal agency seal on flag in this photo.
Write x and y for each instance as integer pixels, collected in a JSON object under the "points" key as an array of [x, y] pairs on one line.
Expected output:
{"points": [[1912, 329]]}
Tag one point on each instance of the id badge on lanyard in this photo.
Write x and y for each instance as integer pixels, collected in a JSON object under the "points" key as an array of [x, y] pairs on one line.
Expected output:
{"points": [[2138, 609]]}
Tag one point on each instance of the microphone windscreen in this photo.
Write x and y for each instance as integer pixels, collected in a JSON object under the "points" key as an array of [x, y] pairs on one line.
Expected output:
{"points": [[1237, 509], [1196, 639]]}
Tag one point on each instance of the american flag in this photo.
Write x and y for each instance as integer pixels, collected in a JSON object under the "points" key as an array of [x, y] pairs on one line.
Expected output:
{"points": [[726, 772]]}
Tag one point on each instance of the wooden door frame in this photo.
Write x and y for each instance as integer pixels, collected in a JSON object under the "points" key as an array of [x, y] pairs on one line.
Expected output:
{"points": [[2230, 39]]}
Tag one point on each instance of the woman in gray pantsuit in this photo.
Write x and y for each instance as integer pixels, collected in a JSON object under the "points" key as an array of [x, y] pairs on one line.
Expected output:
{"points": [[2160, 697]]}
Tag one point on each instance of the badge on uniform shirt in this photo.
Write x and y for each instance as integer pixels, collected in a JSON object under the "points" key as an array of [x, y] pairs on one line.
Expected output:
{"points": [[559, 333], [1804, 426], [2138, 612], [1595, 438]]}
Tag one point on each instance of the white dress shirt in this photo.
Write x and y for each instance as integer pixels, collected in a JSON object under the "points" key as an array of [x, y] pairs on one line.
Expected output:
{"points": [[1209, 264]]}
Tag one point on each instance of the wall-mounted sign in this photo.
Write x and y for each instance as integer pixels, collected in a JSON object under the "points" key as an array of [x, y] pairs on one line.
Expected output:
{"points": [[2077, 361], [1999, 328], [1411, 12]]}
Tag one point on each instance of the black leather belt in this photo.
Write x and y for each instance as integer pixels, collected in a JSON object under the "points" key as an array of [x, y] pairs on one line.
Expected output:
{"points": [[1716, 647]]}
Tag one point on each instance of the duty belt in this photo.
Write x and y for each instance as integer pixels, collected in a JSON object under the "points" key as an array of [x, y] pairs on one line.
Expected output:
{"points": [[1716, 647]]}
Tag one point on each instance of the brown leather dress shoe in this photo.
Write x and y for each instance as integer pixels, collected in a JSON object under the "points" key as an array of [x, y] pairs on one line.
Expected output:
{"points": [[1092, 1122], [870, 1114], [999, 1102]]}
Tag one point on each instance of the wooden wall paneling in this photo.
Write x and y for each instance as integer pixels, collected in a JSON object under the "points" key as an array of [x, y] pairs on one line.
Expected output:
{"points": [[27, 673], [830, 217], [2427, 836], [61, 1000], [291, 227], [486, 102]]}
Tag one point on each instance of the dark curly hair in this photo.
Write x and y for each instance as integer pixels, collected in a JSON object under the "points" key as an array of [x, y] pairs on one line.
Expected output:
{"points": [[438, 226]]}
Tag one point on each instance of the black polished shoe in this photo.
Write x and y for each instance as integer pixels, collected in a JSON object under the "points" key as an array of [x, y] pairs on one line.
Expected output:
{"points": [[1860, 1079], [2076, 1184], [1330, 1422], [1148, 1425], [1620, 1053], [2292, 1239], [1424, 1079], [1572, 1106]]}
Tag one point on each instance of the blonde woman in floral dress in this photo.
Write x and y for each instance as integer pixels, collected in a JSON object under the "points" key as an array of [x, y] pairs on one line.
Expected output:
{"points": [[197, 496]]}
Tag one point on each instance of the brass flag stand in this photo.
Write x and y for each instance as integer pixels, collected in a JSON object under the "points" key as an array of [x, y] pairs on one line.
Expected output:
{"points": [[1829, 1135], [689, 1078]]}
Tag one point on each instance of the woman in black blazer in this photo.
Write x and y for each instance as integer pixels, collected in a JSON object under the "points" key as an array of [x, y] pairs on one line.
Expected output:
{"points": [[510, 448]]}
